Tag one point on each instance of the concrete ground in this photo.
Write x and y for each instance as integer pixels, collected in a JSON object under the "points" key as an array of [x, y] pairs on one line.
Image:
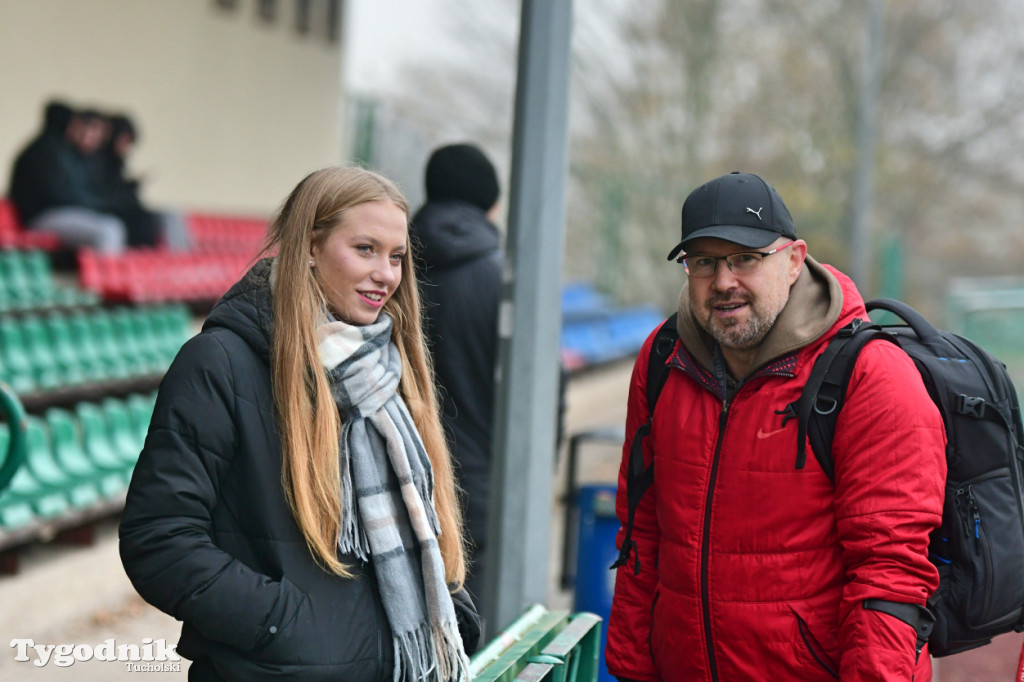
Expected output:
{"points": [[80, 595]]}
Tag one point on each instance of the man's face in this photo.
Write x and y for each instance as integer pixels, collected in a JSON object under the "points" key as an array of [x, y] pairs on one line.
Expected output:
{"points": [[87, 134], [123, 144], [738, 311]]}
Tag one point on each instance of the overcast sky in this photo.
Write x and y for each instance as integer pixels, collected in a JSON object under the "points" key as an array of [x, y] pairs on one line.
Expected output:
{"points": [[382, 35]]}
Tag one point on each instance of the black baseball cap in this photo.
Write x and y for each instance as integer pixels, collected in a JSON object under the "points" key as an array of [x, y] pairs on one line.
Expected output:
{"points": [[738, 207]]}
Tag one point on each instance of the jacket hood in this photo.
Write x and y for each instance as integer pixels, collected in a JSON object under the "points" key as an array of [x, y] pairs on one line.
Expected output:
{"points": [[450, 232], [246, 309], [822, 298]]}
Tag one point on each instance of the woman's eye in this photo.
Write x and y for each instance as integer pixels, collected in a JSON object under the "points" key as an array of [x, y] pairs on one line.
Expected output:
{"points": [[397, 257], [364, 248]]}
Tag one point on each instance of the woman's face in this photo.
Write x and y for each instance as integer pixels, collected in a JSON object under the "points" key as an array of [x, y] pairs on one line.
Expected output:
{"points": [[359, 264]]}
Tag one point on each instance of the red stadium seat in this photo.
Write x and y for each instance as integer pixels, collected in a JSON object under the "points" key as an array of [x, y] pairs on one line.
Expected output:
{"points": [[14, 236], [156, 275], [224, 233]]}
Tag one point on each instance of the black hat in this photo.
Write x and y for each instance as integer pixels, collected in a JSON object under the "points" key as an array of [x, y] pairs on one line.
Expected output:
{"points": [[462, 171], [738, 207], [56, 116], [121, 124]]}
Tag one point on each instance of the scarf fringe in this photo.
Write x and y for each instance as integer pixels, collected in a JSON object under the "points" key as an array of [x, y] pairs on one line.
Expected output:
{"points": [[431, 653]]}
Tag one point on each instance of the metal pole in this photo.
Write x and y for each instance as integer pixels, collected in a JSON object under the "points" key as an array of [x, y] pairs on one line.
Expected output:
{"points": [[520, 509], [863, 192]]}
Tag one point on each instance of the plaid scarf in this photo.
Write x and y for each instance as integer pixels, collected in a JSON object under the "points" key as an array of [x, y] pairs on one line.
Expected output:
{"points": [[387, 514]]}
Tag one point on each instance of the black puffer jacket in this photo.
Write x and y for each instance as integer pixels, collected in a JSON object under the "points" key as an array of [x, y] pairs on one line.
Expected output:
{"points": [[207, 535], [459, 265]]}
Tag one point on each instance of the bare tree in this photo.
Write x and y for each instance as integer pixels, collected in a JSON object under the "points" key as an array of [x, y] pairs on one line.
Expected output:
{"points": [[668, 93]]}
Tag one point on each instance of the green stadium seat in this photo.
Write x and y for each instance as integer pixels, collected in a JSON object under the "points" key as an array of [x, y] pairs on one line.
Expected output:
{"points": [[97, 442], [140, 322], [127, 340], [81, 490], [140, 407], [124, 436], [27, 498], [37, 344], [27, 283], [17, 361], [38, 272], [69, 451], [3, 370], [14, 513], [33, 280], [64, 350], [101, 331], [13, 273], [91, 360], [171, 325]]}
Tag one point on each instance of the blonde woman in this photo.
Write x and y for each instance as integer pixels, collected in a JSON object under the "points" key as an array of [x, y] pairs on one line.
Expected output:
{"points": [[295, 504]]}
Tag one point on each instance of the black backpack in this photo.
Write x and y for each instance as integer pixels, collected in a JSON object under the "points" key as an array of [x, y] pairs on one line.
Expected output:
{"points": [[979, 548]]}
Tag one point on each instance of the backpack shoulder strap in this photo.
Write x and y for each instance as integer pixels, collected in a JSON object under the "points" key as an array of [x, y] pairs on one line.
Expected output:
{"points": [[825, 391], [639, 478], [661, 349]]}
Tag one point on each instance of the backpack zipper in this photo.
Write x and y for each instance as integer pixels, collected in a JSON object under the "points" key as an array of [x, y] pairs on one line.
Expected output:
{"points": [[970, 520]]}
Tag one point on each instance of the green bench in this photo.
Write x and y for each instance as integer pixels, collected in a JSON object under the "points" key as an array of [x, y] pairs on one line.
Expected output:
{"points": [[542, 645]]}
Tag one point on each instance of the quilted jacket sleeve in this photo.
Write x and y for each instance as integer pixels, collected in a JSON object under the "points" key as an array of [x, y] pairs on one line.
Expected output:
{"points": [[889, 450], [165, 542], [628, 653]]}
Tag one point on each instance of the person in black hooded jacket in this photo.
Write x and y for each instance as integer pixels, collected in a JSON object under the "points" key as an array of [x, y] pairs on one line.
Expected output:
{"points": [[54, 185], [294, 504], [459, 258], [146, 227]]}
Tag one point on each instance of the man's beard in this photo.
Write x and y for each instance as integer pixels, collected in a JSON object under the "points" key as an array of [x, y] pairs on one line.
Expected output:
{"points": [[734, 334]]}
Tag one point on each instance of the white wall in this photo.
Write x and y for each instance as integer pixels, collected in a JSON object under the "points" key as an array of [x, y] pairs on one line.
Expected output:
{"points": [[232, 110]]}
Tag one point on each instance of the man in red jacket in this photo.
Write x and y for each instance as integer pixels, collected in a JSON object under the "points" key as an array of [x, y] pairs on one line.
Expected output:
{"points": [[745, 566]]}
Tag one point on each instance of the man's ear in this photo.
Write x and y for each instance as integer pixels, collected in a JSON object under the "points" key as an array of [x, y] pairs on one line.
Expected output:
{"points": [[798, 253]]}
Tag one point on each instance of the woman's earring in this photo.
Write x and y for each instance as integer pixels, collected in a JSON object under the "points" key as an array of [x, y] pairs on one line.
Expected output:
{"points": [[311, 264]]}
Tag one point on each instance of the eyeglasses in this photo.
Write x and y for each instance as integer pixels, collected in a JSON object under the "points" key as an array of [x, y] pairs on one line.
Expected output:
{"points": [[742, 263]]}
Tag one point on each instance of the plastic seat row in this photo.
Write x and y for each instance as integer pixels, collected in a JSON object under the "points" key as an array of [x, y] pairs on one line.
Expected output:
{"points": [[154, 275], [14, 236], [62, 349], [27, 283], [75, 460], [582, 299], [226, 233], [606, 336]]}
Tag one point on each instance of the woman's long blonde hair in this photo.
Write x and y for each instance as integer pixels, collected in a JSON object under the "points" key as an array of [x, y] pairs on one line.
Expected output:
{"points": [[308, 418]]}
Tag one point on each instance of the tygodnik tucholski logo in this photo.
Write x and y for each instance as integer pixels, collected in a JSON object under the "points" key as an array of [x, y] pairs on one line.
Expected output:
{"points": [[150, 656]]}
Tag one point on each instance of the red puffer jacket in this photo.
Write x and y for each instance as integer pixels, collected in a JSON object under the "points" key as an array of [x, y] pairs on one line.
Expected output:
{"points": [[753, 569]]}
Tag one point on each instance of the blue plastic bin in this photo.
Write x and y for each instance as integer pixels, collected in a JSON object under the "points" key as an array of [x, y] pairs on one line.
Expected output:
{"points": [[595, 582]]}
